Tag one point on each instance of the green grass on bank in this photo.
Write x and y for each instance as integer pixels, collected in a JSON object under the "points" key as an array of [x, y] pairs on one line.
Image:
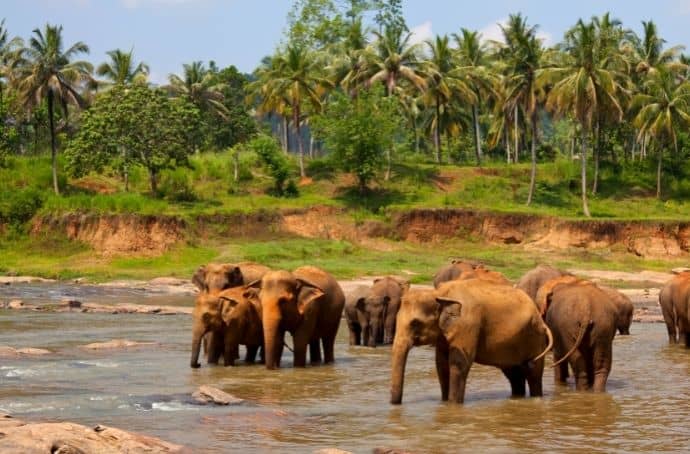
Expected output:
{"points": [[626, 191], [63, 259]]}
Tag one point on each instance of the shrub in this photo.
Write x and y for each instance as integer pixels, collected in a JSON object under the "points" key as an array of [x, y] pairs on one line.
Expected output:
{"points": [[276, 163], [19, 206]]}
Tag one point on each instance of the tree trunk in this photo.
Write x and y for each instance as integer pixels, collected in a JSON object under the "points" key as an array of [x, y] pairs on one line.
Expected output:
{"points": [[236, 166], [533, 171], [658, 171], [437, 133], [597, 145], [126, 171], [516, 136], [416, 137], [389, 158], [477, 137], [572, 146], [286, 137], [583, 172], [506, 139], [300, 143], [311, 146], [53, 146], [153, 180]]}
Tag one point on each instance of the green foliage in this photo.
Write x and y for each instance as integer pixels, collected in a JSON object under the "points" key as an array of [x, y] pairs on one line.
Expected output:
{"points": [[134, 126], [18, 207], [358, 131], [276, 163]]}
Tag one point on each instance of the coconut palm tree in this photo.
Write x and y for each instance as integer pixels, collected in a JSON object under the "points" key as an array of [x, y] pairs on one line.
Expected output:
{"points": [[295, 76], [11, 53], [442, 87], [348, 67], [268, 102], [523, 56], [664, 107], [121, 69], [394, 59], [647, 54], [583, 85], [472, 55], [51, 75], [198, 85]]}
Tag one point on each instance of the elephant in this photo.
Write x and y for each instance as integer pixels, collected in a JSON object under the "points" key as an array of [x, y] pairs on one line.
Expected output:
{"points": [[583, 320], [235, 313], [532, 280], [454, 269], [373, 313], [485, 275], [215, 277], [472, 321], [308, 303], [351, 317], [673, 299], [625, 309]]}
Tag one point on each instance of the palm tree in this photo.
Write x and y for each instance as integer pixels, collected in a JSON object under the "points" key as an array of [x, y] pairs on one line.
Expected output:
{"points": [[472, 60], [11, 51], [582, 85], [663, 108], [648, 54], [442, 87], [262, 94], [524, 58], [51, 75], [348, 68], [394, 60], [295, 77], [121, 69], [198, 85]]}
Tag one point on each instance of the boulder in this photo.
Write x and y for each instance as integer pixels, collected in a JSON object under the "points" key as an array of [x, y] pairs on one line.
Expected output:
{"points": [[19, 436], [15, 304], [116, 343], [208, 394], [71, 304]]}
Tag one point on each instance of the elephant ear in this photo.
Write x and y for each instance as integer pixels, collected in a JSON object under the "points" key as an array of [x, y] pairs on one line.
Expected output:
{"points": [[252, 295], [308, 293], [449, 310], [404, 286], [199, 279], [361, 304], [234, 276]]}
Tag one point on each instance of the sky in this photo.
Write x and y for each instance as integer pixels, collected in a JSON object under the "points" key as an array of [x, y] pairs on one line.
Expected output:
{"points": [[167, 33]]}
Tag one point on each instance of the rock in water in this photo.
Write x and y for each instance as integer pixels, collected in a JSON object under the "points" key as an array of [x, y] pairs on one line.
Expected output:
{"points": [[208, 394], [115, 343], [331, 451], [19, 436]]}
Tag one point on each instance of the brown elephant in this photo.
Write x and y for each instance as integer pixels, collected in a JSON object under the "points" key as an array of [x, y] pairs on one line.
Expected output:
{"points": [[235, 313], [308, 303], [454, 269], [583, 320], [532, 280], [472, 321], [673, 299], [624, 307], [371, 312], [213, 278], [484, 275]]}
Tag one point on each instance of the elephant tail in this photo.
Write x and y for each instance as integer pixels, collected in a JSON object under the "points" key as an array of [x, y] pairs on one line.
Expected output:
{"points": [[549, 335], [583, 330]]}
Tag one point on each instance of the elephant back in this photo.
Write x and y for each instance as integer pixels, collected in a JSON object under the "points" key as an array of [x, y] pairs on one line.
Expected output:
{"points": [[535, 278]]}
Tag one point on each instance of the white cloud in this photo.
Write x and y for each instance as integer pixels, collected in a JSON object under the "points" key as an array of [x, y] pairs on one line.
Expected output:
{"points": [[132, 4], [493, 32], [421, 33]]}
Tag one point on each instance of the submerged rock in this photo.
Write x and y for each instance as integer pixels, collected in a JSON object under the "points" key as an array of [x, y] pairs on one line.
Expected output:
{"points": [[116, 343], [9, 352], [208, 394], [20, 436], [331, 451]]}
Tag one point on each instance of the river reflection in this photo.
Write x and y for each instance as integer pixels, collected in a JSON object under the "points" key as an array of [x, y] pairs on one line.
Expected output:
{"points": [[344, 405]]}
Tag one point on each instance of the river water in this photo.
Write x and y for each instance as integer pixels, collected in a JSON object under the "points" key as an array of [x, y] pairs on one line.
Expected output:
{"points": [[345, 405]]}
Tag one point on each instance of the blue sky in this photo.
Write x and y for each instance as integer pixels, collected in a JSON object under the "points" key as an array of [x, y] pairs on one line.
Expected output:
{"points": [[167, 33]]}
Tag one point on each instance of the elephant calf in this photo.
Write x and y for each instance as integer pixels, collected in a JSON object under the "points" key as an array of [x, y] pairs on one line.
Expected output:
{"points": [[371, 312], [583, 319], [472, 321]]}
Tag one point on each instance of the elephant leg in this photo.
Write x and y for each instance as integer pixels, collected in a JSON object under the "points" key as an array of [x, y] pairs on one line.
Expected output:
{"points": [[442, 368], [300, 342], [459, 368], [366, 332], [229, 356], [560, 372], [250, 357], [534, 372], [328, 348], [355, 333], [314, 352], [602, 359], [516, 377], [579, 364], [215, 347], [670, 324], [262, 356]]}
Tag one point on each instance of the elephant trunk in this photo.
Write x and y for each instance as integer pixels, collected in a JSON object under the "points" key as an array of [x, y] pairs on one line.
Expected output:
{"points": [[273, 341], [197, 335], [401, 348], [375, 333]]}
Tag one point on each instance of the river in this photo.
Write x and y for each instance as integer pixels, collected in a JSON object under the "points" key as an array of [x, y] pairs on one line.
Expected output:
{"points": [[345, 405]]}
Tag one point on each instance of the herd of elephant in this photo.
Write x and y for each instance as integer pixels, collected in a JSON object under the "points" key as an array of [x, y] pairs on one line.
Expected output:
{"points": [[473, 315]]}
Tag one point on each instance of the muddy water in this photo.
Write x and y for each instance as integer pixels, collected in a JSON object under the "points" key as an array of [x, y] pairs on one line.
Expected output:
{"points": [[344, 405]]}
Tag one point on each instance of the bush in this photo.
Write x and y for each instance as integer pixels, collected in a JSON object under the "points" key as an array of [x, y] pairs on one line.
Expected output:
{"points": [[276, 163], [176, 185], [19, 206]]}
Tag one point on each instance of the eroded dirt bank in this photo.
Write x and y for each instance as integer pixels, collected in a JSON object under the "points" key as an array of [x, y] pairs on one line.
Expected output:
{"points": [[153, 235]]}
